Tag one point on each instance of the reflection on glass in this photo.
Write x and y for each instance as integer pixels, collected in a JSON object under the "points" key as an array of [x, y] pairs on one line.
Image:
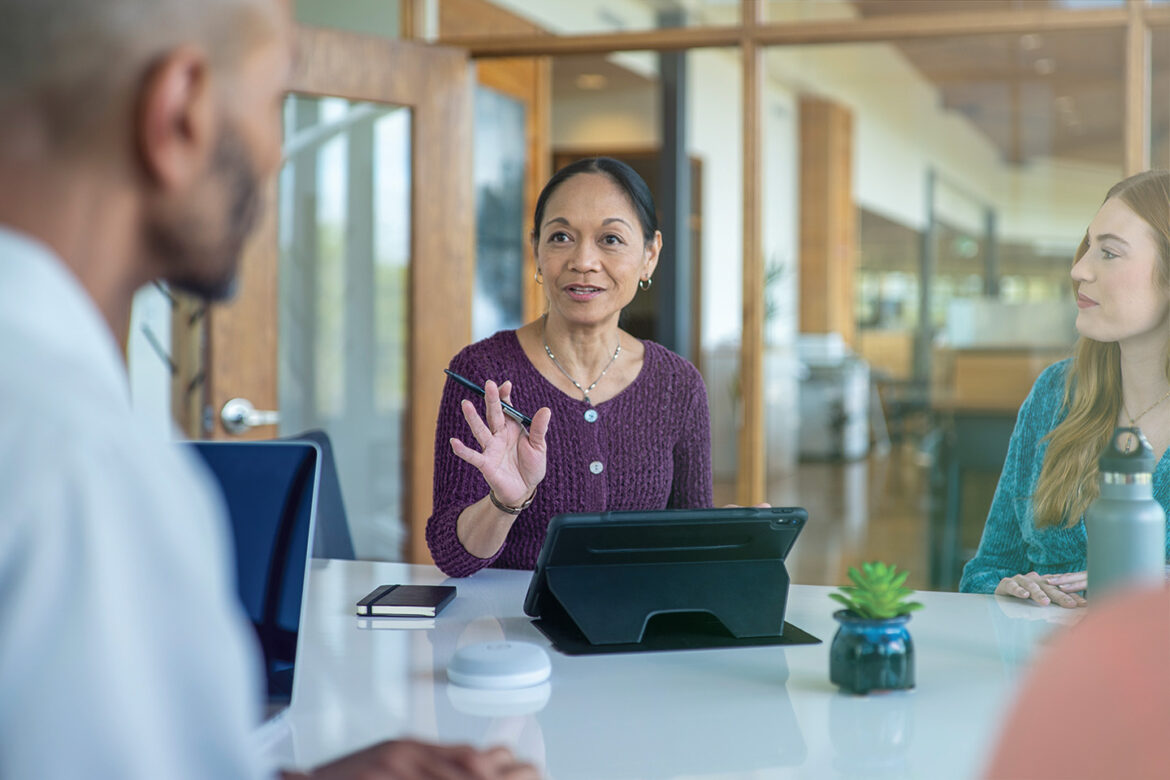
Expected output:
{"points": [[1022, 631], [500, 156], [871, 735], [344, 239], [763, 737]]}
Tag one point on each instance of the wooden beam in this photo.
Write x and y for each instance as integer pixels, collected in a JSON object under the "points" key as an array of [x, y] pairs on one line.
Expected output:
{"points": [[675, 38], [1137, 90], [871, 30], [939, 25], [751, 468], [409, 19]]}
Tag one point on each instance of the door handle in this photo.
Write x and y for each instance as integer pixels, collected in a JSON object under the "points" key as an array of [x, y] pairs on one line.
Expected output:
{"points": [[239, 416]]}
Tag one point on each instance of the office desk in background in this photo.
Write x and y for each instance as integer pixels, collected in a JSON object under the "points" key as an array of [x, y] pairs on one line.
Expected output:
{"points": [[759, 712]]}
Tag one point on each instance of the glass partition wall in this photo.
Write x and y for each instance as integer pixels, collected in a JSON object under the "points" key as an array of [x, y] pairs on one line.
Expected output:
{"points": [[918, 175], [980, 135]]}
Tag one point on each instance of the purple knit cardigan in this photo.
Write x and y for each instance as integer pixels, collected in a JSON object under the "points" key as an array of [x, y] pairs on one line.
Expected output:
{"points": [[648, 447]]}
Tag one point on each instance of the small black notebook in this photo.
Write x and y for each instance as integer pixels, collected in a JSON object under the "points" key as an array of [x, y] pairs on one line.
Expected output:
{"points": [[406, 600]]}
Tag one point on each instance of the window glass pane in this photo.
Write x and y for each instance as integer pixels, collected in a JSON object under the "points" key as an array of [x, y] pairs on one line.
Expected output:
{"points": [[991, 152], [500, 159], [344, 241], [974, 167], [715, 131]]}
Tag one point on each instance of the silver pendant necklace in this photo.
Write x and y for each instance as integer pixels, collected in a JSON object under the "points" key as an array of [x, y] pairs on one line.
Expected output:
{"points": [[584, 390], [1133, 421]]}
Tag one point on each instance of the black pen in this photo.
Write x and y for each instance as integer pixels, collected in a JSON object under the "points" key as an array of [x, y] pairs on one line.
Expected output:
{"points": [[515, 414]]}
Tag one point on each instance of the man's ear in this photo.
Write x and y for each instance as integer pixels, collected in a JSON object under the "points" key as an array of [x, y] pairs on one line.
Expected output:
{"points": [[175, 119]]}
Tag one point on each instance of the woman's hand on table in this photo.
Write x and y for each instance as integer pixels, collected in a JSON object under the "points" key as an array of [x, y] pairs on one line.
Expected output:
{"points": [[1059, 589], [1071, 582], [511, 460]]}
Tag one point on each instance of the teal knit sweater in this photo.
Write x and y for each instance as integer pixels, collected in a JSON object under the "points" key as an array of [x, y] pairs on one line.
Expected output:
{"points": [[1011, 543]]}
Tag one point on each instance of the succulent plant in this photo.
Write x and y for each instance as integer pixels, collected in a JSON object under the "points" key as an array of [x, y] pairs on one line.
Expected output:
{"points": [[877, 592]]}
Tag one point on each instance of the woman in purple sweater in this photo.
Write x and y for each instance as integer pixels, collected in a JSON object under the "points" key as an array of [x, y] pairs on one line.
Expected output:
{"points": [[622, 424]]}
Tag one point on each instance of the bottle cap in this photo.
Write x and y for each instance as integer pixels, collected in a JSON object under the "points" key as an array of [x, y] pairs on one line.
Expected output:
{"points": [[1126, 458]]}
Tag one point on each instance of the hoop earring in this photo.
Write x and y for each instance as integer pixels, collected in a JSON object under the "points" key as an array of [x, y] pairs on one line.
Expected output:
{"points": [[538, 277], [644, 284]]}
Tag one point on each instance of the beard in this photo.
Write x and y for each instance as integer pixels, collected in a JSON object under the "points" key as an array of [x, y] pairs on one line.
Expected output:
{"points": [[199, 247]]}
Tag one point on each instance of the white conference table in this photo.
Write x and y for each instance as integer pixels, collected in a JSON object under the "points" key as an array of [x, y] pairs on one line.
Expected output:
{"points": [[758, 712]]}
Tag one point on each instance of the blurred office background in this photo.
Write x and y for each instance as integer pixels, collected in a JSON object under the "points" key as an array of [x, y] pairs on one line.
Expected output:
{"points": [[869, 209]]}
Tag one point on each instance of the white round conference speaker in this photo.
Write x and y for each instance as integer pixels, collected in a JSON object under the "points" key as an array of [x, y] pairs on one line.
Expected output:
{"points": [[499, 702], [499, 665]]}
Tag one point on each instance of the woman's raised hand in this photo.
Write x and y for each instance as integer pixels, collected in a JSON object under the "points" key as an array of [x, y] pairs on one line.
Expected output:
{"points": [[511, 460], [1056, 589]]}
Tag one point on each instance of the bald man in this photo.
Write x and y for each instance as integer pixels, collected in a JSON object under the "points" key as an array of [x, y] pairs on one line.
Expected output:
{"points": [[135, 136]]}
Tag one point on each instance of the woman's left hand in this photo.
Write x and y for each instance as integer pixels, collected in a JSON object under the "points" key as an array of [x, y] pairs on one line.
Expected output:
{"points": [[1071, 582], [1039, 588], [511, 459]]}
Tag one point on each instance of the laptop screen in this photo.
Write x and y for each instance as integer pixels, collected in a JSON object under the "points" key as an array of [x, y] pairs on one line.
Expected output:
{"points": [[270, 489]]}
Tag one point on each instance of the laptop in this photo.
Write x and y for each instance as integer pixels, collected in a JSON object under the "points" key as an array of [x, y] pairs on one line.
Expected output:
{"points": [[270, 489]]}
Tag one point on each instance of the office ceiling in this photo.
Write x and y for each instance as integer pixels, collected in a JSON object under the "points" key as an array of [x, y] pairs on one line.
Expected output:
{"points": [[1035, 96], [1039, 96]]}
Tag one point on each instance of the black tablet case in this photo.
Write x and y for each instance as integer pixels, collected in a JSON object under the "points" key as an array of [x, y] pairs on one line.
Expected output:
{"points": [[669, 579]]}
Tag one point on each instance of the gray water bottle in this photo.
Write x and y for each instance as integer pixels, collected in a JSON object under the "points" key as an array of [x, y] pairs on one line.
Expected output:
{"points": [[1126, 527]]}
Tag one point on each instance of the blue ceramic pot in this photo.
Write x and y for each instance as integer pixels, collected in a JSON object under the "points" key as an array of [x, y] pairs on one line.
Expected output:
{"points": [[871, 655]]}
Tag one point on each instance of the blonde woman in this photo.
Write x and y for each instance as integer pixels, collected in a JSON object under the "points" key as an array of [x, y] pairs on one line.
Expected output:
{"points": [[1033, 545]]}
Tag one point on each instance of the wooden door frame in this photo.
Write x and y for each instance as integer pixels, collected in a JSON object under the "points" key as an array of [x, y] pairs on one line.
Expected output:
{"points": [[435, 83]]}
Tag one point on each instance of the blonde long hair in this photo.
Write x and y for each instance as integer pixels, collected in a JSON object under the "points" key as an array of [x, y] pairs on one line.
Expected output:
{"points": [[1092, 392]]}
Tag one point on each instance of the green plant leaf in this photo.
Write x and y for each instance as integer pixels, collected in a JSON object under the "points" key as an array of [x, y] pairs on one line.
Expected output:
{"points": [[878, 591], [856, 577]]}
